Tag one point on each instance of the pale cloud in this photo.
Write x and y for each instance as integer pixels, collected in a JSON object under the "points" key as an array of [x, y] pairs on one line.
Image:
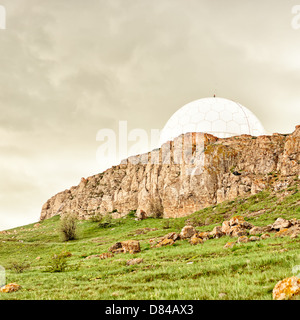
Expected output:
{"points": [[69, 68]]}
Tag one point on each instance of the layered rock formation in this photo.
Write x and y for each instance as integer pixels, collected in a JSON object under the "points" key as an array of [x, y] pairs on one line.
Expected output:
{"points": [[185, 175]]}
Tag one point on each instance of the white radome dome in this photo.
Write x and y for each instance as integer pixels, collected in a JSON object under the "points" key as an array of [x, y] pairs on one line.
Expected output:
{"points": [[220, 117]]}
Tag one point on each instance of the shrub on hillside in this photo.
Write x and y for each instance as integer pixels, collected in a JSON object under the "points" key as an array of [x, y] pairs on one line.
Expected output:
{"points": [[19, 266], [68, 227]]}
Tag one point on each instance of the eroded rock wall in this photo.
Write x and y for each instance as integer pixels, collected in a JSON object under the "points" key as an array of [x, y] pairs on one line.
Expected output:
{"points": [[157, 182]]}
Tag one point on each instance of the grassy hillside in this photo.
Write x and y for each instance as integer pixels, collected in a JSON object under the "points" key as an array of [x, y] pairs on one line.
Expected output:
{"points": [[181, 271]]}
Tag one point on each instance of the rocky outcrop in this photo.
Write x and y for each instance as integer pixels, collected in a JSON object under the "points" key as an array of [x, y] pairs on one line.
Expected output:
{"points": [[176, 181]]}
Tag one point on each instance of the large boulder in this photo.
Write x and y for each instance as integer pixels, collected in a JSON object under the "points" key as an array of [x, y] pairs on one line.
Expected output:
{"points": [[131, 246], [237, 231], [187, 232], [217, 232], [226, 227], [287, 289], [281, 223]]}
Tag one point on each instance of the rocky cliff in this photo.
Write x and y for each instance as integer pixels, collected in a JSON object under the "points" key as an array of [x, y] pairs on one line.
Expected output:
{"points": [[158, 183]]}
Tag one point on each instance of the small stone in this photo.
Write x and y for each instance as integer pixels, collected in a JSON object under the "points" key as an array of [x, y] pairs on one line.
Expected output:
{"points": [[243, 239], [265, 236], [132, 262], [106, 255], [165, 242], [255, 231], [229, 245], [254, 238], [92, 256], [172, 235]]}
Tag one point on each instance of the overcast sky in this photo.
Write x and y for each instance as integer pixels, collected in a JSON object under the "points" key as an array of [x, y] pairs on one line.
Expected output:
{"points": [[69, 68]]}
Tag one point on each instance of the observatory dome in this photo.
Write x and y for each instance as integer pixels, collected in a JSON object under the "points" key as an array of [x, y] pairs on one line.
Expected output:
{"points": [[218, 116]]}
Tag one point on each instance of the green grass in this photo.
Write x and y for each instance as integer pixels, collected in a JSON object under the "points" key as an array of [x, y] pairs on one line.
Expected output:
{"points": [[181, 271]]}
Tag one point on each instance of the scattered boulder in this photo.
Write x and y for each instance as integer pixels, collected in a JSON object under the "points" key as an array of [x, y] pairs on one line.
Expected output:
{"points": [[254, 238], [11, 287], [229, 245], [280, 224], [165, 242], [287, 289], [187, 232], [92, 256], [195, 239], [238, 231], [172, 235], [256, 230], [203, 235], [131, 246], [225, 227], [115, 247], [265, 236], [236, 220], [132, 262], [293, 232], [106, 255], [243, 239], [217, 232]]}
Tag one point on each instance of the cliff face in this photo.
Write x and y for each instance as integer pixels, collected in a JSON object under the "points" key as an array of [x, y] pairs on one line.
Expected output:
{"points": [[157, 182]]}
